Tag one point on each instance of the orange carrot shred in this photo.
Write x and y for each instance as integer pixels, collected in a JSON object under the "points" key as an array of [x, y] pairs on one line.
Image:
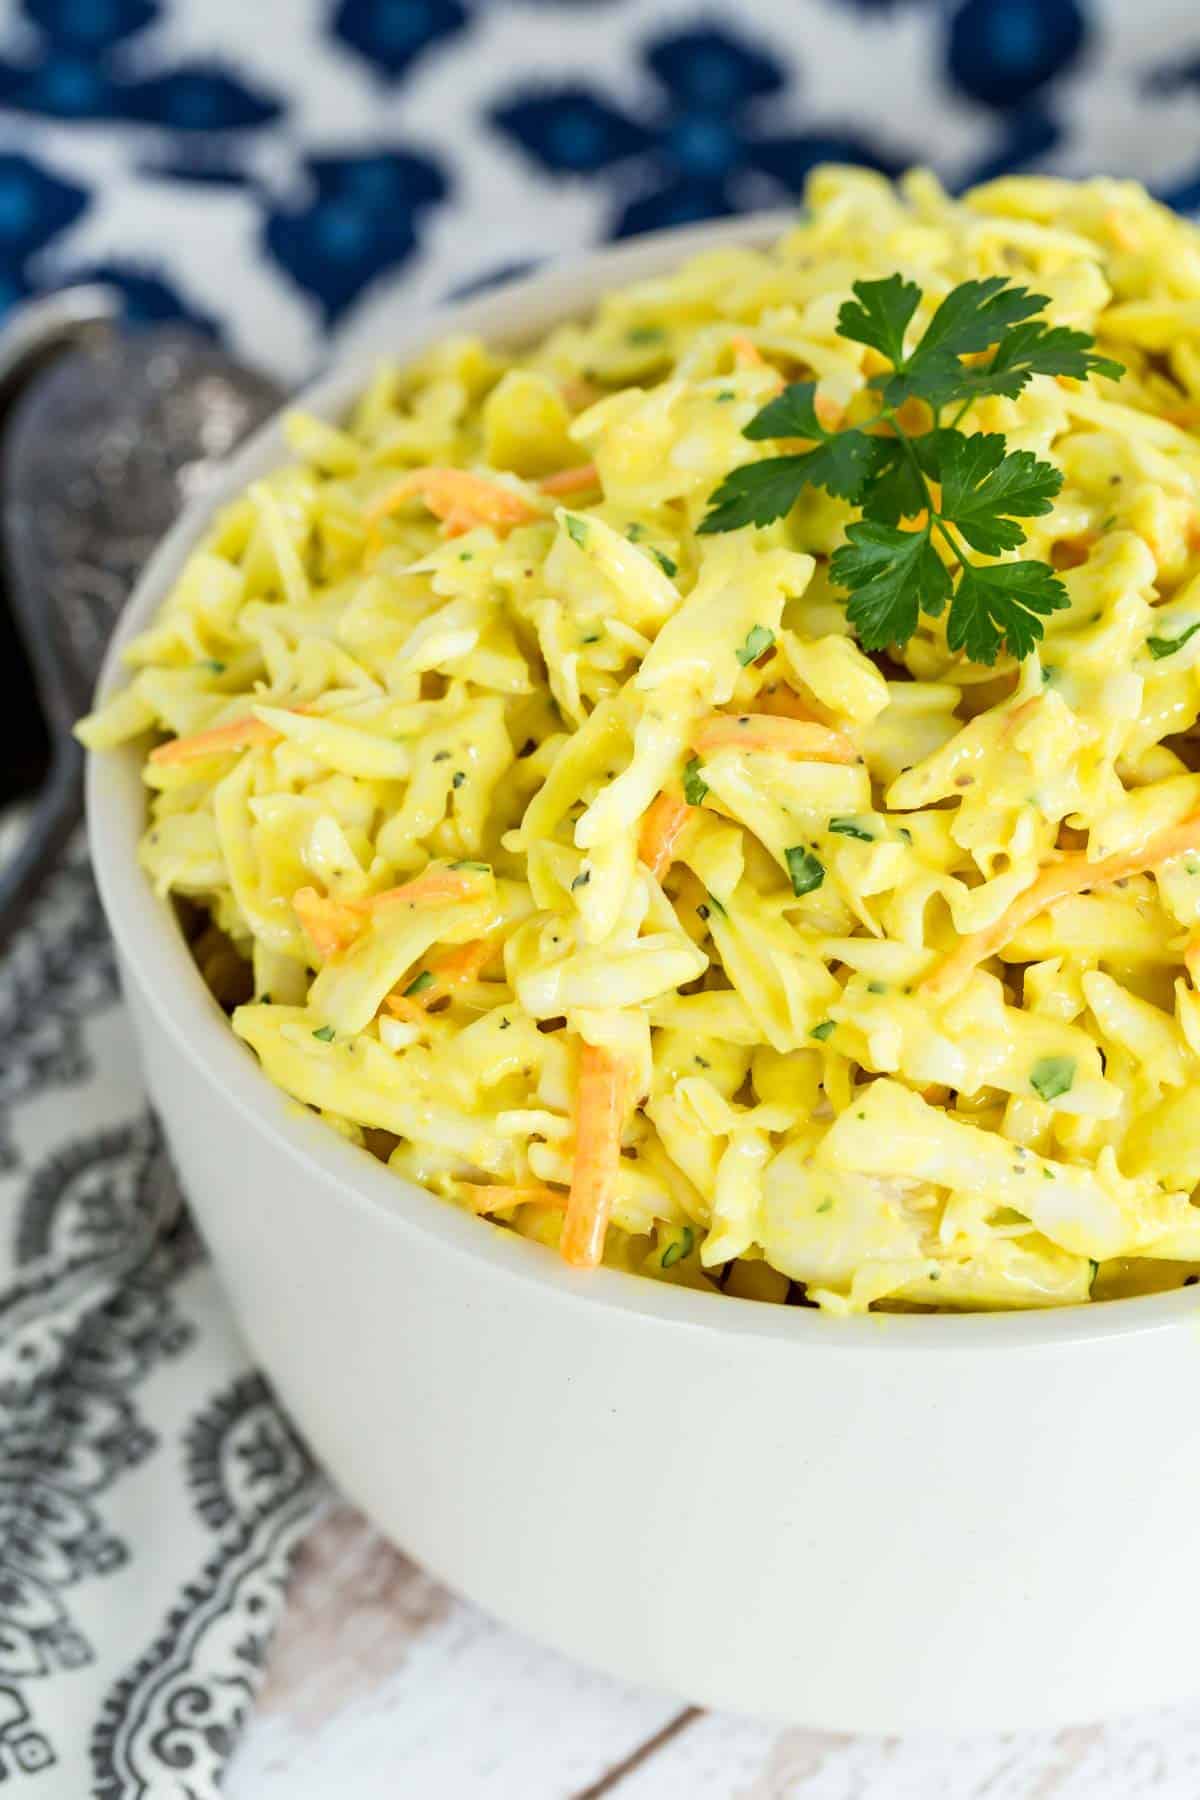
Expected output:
{"points": [[1072, 874], [334, 924], [458, 498], [571, 481], [455, 969], [331, 924], [438, 883], [664, 821], [600, 1101], [235, 734], [746, 352], [485, 1197], [782, 736]]}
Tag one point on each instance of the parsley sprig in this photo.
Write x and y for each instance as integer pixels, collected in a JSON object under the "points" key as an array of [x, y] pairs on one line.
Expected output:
{"points": [[915, 488]]}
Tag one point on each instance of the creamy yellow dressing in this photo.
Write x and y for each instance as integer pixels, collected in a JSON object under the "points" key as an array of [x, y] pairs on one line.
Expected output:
{"points": [[516, 696]]}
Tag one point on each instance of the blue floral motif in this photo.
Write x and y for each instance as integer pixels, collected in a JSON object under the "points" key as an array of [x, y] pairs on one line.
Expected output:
{"points": [[90, 25], [391, 34], [359, 220], [1001, 52], [701, 153], [75, 76], [197, 97], [35, 206]]}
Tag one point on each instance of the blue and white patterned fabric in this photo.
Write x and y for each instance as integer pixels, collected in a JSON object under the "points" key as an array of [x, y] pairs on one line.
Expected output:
{"points": [[278, 171], [270, 169]]}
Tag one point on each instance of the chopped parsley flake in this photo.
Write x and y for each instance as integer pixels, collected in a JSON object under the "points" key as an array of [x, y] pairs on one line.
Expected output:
{"points": [[826, 1204], [325, 1033], [758, 639], [213, 666], [458, 778], [724, 395], [419, 983], [847, 827], [1052, 1076], [581, 880], [823, 1030], [806, 871], [1094, 1267], [717, 906], [877, 987], [1162, 646], [646, 334], [678, 1248], [667, 564], [694, 785], [577, 529], [636, 532]]}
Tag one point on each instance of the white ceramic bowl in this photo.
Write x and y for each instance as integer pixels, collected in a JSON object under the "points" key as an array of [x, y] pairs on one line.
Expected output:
{"points": [[876, 1524]]}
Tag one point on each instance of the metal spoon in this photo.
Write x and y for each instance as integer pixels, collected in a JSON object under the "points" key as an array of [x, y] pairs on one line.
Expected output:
{"points": [[104, 434]]}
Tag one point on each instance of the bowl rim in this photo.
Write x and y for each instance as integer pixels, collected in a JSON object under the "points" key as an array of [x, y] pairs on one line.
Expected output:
{"points": [[153, 951]]}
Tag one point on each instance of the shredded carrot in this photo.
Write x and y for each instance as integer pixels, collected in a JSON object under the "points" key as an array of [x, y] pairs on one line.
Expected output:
{"points": [[600, 1101], [661, 826], [1072, 874], [334, 924], [783, 736], [330, 924], [438, 883], [237, 734], [746, 353], [458, 498], [486, 1197], [455, 969], [571, 481]]}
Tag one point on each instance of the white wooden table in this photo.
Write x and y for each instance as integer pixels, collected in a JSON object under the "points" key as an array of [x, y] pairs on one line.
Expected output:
{"points": [[383, 1685]]}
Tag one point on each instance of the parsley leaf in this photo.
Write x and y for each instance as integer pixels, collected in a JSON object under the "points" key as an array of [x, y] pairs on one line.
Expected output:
{"points": [[982, 486], [1002, 603], [756, 494], [893, 577], [928, 497], [879, 315]]}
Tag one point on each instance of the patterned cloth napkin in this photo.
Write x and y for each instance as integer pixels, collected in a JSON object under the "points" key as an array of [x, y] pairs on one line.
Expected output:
{"points": [[150, 1491], [268, 172]]}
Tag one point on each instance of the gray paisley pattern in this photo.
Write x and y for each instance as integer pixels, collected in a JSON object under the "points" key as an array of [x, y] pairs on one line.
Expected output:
{"points": [[150, 1491]]}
